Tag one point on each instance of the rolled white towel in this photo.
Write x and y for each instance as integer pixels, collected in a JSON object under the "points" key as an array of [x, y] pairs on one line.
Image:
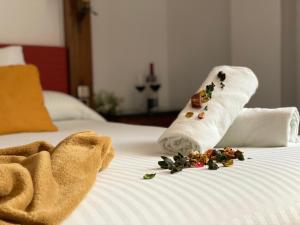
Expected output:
{"points": [[260, 127], [187, 134]]}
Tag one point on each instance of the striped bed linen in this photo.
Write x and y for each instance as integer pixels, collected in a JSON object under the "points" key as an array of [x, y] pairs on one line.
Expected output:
{"points": [[263, 190]]}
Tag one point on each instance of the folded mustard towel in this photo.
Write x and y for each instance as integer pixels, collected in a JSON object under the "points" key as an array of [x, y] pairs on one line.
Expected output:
{"points": [[40, 184]]}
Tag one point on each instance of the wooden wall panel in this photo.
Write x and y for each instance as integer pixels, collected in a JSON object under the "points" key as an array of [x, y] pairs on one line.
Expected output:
{"points": [[78, 43]]}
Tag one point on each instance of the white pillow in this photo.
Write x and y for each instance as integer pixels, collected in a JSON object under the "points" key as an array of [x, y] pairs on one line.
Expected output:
{"points": [[65, 107], [11, 55]]}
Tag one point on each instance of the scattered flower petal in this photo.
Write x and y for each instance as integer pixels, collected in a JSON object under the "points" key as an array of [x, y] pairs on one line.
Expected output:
{"points": [[228, 163], [189, 114], [201, 115], [196, 101], [198, 164]]}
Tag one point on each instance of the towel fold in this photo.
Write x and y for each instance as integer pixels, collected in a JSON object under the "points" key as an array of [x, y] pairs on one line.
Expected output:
{"points": [[40, 184], [260, 127], [225, 105]]}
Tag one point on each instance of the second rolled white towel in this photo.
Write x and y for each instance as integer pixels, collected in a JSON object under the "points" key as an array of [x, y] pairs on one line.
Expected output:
{"points": [[261, 127]]}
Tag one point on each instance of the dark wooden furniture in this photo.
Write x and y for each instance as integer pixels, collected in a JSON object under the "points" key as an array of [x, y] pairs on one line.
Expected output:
{"points": [[162, 119], [78, 43]]}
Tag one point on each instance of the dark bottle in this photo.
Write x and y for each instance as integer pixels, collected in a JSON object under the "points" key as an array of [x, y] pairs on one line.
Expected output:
{"points": [[151, 79]]}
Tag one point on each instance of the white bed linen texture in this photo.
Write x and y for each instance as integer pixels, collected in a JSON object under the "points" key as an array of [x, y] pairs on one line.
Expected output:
{"points": [[263, 190], [186, 134], [261, 127]]}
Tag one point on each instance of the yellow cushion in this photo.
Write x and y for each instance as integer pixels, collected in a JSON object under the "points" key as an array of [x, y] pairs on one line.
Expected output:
{"points": [[21, 101]]}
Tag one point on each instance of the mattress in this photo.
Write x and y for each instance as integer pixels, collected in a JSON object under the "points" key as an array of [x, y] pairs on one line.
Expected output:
{"points": [[262, 190]]}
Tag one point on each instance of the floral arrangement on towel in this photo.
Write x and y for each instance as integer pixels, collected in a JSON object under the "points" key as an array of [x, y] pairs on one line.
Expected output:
{"points": [[202, 97], [212, 158]]}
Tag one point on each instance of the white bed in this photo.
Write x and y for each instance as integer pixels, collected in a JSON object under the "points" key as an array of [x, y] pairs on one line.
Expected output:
{"points": [[261, 190], [264, 190]]}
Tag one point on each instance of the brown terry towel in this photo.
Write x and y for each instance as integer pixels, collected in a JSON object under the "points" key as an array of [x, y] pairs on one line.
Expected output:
{"points": [[42, 184]]}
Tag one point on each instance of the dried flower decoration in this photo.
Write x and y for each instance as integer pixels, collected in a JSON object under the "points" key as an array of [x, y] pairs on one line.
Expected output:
{"points": [[149, 176], [209, 89], [201, 115], [195, 159], [189, 114], [205, 95], [212, 165], [222, 76], [196, 100], [177, 165], [227, 163]]}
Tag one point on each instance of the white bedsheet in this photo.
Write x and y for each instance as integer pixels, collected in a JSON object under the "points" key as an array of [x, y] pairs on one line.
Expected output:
{"points": [[261, 190]]}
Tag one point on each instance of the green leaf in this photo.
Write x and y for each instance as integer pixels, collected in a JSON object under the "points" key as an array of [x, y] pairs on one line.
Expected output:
{"points": [[181, 161], [176, 169], [163, 165], [212, 165], [166, 159], [168, 163], [209, 89], [239, 155], [219, 156], [149, 176]]}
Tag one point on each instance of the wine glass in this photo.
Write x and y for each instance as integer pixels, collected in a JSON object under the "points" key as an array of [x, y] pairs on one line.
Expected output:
{"points": [[140, 86], [155, 87]]}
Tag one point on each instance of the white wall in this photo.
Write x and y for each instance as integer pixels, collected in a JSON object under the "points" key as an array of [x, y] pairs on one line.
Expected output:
{"points": [[256, 43], [184, 39], [32, 22], [127, 36], [289, 52], [298, 52], [198, 39]]}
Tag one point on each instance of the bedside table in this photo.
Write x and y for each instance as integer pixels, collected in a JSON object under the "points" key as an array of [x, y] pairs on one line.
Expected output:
{"points": [[162, 119]]}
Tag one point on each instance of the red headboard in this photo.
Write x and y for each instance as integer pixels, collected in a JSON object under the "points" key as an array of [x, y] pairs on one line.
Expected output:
{"points": [[52, 63]]}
